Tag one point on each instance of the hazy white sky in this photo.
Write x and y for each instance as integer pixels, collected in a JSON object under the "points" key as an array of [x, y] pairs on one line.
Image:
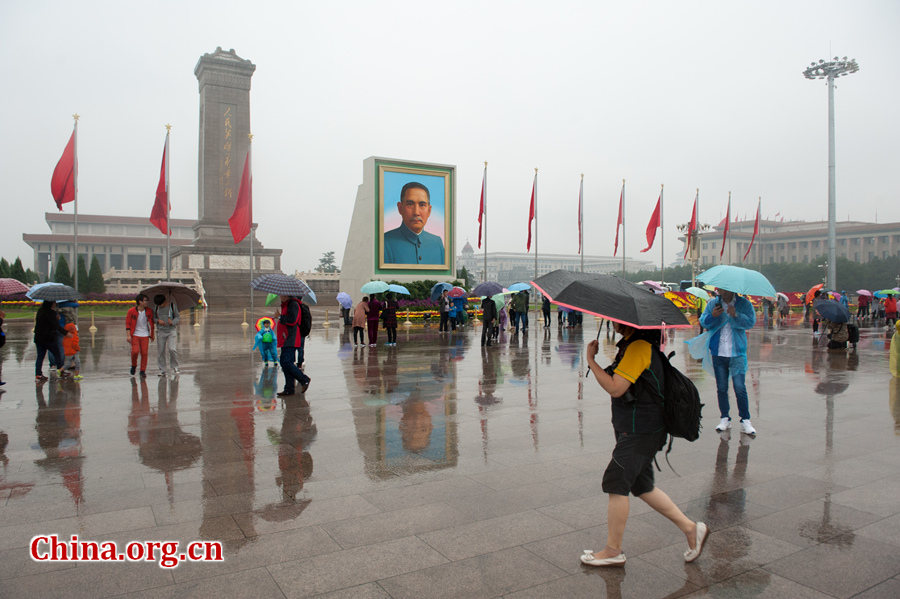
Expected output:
{"points": [[690, 94]]}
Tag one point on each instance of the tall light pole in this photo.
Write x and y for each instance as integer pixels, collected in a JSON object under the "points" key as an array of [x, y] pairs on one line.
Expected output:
{"points": [[831, 70]]}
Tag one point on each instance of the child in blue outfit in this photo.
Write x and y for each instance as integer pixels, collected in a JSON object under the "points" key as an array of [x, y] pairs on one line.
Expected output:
{"points": [[266, 342]]}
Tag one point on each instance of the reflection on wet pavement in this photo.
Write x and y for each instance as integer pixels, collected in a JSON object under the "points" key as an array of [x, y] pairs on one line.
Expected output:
{"points": [[406, 469]]}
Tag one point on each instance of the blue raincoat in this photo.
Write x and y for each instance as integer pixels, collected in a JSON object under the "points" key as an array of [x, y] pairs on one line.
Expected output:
{"points": [[703, 346]]}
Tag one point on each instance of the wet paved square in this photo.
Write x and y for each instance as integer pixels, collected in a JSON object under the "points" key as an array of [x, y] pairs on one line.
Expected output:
{"points": [[438, 469]]}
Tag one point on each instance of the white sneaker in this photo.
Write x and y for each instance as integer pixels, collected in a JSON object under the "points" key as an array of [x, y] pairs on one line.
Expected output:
{"points": [[747, 428], [724, 425]]}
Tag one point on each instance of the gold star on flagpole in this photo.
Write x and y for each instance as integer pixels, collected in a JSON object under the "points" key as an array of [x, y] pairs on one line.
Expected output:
{"points": [[250, 137], [76, 116], [168, 127]]}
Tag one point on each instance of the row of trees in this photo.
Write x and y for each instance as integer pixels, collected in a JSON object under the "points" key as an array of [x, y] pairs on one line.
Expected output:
{"points": [[878, 273], [18, 272], [88, 282]]}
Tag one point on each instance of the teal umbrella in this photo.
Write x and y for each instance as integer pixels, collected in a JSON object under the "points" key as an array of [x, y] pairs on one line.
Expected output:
{"points": [[375, 287], [697, 292], [398, 289], [738, 280], [499, 300]]}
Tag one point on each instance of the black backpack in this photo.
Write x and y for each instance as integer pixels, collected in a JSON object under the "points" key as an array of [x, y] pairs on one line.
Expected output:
{"points": [[305, 320]]}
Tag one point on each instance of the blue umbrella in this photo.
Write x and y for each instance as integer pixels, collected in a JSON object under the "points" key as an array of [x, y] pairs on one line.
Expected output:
{"points": [[487, 288], [519, 287], [375, 287], [438, 289], [738, 280], [398, 289], [697, 292], [832, 310], [343, 298], [311, 297]]}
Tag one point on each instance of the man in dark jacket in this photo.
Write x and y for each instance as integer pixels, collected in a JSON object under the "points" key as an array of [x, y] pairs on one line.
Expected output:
{"points": [[488, 316], [290, 340]]}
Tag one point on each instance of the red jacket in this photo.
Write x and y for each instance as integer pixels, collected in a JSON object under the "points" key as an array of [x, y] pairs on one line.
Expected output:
{"points": [[289, 324], [131, 320]]}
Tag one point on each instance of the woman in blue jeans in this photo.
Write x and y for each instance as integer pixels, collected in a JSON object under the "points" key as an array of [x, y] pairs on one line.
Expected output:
{"points": [[46, 329]]}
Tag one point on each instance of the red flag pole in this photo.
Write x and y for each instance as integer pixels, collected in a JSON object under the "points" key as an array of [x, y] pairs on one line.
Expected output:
{"points": [[483, 217], [662, 238], [250, 216], [168, 210], [75, 190], [581, 221], [622, 215], [534, 204]]}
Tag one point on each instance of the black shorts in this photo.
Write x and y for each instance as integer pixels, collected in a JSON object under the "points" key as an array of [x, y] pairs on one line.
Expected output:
{"points": [[631, 468]]}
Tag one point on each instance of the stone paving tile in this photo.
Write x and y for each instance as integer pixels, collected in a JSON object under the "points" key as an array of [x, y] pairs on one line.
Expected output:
{"points": [[246, 583], [841, 569], [88, 581], [878, 497], [488, 575], [889, 589], [760, 584], [264, 550], [427, 492], [364, 591], [886, 530], [491, 535], [394, 524], [316, 512], [812, 523], [789, 491], [353, 567], [636, 579], [87, 527], [727, 553], [18, 562]]}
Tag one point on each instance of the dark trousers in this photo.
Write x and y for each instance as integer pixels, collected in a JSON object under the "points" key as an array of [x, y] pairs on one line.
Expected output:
{"points": [[43, 350], [359, 330], [373, 331], [392, 334], [546, 318], [487, 332], [345, 314], [445, 320], [290, 370]]}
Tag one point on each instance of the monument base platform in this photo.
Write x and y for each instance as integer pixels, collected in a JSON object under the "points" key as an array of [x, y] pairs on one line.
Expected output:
{"points": [[225, 271]]}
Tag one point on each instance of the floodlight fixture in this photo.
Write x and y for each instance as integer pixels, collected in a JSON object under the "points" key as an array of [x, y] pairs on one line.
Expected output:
{"points": [[830, 70]]}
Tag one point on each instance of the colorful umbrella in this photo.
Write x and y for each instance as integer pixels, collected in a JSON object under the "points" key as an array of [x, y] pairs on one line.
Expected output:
{"points": [[658, 287], [344, 299], [398, 289], [12, 286], [738, 280], [271, 298], [519, 287], [457, 292], [886, 292], [864, 292], [812, 292], [261, 320], [375, 287]]}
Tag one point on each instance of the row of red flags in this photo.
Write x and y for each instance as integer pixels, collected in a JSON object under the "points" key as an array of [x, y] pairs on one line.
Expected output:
{"points": [[654, 224], [63, 187]]}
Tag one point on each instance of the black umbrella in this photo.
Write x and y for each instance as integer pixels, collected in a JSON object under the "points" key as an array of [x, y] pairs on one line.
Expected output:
{"points": [[832, 310], [610, 297], [181, 295], [488, 288], [55, 292]]}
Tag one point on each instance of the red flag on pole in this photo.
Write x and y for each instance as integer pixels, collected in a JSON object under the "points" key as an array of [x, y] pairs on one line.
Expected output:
{"points": [[481, 206], [243, 210], [580, 215], [619, 220], [159, 216], [727, 224], [692, 225], [755, 231], [653, 225], [62, 184], [531, 214]]}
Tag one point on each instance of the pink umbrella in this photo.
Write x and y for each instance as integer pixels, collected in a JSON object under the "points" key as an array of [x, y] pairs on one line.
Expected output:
{"points": [[12, 286], [864, 292], [457, 292], [654, 285]]}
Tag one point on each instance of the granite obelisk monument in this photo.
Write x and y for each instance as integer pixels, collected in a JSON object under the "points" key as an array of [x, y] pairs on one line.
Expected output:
{"points": [[224, 79]]}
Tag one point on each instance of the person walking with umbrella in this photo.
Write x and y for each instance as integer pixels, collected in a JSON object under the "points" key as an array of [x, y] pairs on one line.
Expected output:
{"points": [[389, 318], [290, 340], [727, 318], [46, 331], [140, 330], [166, 316], [639, 425]]}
